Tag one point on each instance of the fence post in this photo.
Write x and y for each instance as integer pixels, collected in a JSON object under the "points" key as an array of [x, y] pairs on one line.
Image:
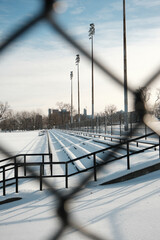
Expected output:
{"points": [[25, 165], [15, 167], [42, 164], [66, 165], [105, 124], [120, 124], [128, 162], [131, 121], [111, 125], [51, 166], [16, 176], [159, 146], [94, 163], [4, 183], [41, 172], [96, 124]]}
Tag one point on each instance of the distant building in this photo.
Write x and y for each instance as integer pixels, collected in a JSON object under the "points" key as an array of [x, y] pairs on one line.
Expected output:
{"points": [[49, 112], [52, 111], [85, 112], [57, 117]]}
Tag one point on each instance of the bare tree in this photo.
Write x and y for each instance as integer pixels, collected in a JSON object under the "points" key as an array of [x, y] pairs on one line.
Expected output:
{"points": [[110, 109], [62, 105], [4, 110], [66, 106]]}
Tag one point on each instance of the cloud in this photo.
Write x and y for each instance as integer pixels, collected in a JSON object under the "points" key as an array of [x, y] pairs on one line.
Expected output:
{"points": [[78, 10], [147, 3], [118, 6]]}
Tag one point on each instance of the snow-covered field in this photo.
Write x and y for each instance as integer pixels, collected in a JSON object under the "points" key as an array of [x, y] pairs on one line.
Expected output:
{"points": [[128, 210]]}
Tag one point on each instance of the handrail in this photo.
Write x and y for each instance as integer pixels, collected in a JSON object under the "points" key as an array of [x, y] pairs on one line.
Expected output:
{"points": [[66, 174], [116, 145], [24, 154]]}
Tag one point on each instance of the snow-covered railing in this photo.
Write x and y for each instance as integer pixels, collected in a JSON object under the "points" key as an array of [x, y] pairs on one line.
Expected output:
{"points": [[19, 160], [41, 165], [127, 155]]}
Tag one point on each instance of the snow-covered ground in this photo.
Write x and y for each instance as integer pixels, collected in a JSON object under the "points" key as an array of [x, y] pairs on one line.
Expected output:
{"points": [[128, 210]]}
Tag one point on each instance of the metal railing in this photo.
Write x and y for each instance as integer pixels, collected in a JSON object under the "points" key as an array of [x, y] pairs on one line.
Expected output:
{"points": [[13, 166], [47, 14], [41, 165]]}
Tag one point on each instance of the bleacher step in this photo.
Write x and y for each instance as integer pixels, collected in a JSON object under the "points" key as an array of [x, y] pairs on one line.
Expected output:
{"points": [[134, 174]]}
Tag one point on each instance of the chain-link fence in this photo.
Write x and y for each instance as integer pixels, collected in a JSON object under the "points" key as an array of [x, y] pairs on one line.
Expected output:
{"points": [[47, 14]]}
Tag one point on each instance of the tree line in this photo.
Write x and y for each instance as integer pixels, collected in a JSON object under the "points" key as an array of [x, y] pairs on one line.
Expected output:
{"points": [[60, 117]]}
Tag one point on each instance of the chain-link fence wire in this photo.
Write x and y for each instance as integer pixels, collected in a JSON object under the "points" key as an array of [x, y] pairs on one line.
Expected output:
{"points": [[47, 14]]}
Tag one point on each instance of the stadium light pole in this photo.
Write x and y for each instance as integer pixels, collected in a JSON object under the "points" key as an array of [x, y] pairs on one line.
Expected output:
{"points": [[125, 69], [91, 32], [71, 76], [77, 63]]}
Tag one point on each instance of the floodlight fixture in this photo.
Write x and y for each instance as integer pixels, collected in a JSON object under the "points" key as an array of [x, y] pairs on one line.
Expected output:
{"points": [[91, 31]]}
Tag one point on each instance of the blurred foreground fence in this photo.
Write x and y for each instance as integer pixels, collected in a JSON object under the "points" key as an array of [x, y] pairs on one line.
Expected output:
{"points": [[47, 14]]}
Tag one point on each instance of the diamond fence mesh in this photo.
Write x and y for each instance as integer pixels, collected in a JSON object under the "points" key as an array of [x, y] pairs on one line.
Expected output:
{"points": [[47, 14]]}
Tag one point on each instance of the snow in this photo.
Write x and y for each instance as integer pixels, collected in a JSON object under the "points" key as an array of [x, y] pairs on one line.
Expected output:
{"points": [[127, 210]]}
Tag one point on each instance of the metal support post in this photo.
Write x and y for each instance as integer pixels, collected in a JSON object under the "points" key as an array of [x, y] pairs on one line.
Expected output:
{"points": [[95, 172], [41, 173], [4, 183], [66, 165], [16, 176], [25, 165], [128, 160], [42, 164]]}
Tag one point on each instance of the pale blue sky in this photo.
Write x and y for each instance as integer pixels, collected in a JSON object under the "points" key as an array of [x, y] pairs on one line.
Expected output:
{"points": [[35, 69]]}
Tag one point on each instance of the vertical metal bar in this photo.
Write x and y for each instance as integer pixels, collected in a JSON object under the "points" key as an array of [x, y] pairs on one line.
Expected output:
{"points": [[24, 165], [125, 68], [78, 59], [42, 164], [120, 124], [128, 160], [4, 182], [71, 76], [41, 172], [66, 166], [96, 124], [159, 146], [94, 164], [15, 167], [131, 121], [16, 173], [92, 82], [51, 165], [111, 125]]}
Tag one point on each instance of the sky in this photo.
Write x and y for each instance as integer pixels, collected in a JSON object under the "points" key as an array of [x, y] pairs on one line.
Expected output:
{"points": [[35, 69]]}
